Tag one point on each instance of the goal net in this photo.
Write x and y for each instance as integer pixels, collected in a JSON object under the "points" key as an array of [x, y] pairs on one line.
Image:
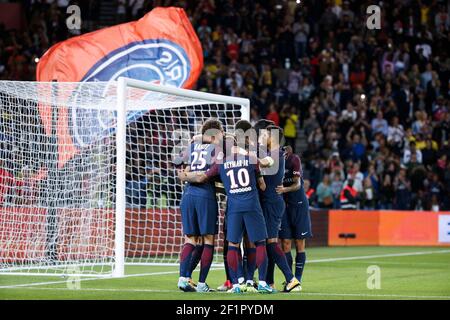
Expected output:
{"points": [[87, 179]]}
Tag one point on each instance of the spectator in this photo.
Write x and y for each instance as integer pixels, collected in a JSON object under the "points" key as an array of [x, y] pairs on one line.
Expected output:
{"points": [[379, 124], [407, 155], [348, 196], [273, 114], [336, 187], [402, 187], [325, 193], [290, 119]]}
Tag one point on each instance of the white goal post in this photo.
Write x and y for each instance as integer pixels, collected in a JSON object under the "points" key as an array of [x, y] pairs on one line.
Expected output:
{"points": [[87, 180]]}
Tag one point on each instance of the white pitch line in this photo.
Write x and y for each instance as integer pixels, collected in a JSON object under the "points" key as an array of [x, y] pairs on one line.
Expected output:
{"points": [[27, 285], [379, 256], [292, 293], [174, 272]]}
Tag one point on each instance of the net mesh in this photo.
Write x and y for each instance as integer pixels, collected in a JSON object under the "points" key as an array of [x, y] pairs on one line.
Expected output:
{"points": [[58, 175]]}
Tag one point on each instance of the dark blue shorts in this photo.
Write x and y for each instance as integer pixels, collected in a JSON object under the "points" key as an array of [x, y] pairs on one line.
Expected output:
{"points": [[251, 222], [273, 213], [199, 215], [296, 222]]}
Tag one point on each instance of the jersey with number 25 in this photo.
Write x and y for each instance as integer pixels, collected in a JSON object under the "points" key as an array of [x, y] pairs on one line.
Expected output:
{"points": [[201, 157]]}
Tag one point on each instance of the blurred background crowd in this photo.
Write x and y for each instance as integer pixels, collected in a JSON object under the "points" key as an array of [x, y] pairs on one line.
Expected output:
{"points": [[370, 106]]}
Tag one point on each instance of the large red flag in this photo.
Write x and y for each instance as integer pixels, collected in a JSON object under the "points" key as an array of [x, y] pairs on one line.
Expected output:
{"points": [[161, 46]]}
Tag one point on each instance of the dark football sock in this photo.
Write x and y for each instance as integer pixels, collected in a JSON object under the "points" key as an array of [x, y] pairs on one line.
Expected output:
{"points": [[225, 260], [196, 256], [233, 262], [289, 259], [261, 260], [251, 263], [270, 271], [245, 263], [240, 270], [207, 258], [185, 259], [300, 260], [274, 251]]}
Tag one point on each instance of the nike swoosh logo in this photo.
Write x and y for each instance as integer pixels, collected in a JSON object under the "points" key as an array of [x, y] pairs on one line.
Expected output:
{"points": [[303, 233]]}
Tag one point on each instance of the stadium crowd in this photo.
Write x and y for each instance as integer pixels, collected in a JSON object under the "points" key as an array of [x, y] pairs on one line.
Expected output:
{"points": [[370, 106]]}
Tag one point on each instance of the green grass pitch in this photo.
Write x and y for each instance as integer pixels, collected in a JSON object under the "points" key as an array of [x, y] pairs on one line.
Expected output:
{"points": [[330, 273]]}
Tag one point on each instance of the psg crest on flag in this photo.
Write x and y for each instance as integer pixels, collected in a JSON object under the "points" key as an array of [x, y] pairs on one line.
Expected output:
{"points": [[158, 61]]}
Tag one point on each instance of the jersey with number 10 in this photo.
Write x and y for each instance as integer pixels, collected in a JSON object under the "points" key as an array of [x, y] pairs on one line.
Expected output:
{"points": [[239, 176], [201, 157]]}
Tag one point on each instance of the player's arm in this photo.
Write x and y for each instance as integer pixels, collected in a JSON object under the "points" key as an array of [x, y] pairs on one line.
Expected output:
{"points": [[261, 183], [265, 162], [193, 177], [297, 175], [199, 176], [296, 185], [260, 178]]}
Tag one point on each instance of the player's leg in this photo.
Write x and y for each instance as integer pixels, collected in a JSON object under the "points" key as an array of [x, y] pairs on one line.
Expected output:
{"points": [[185, 264], [262, 264], [300, 258], [302, 231], [196, 255], [227, 284], [206, 261], [286, 245], [273, 213], [285, 235], [257, 233], [250, 248], [235, 228], [207, 215], [233, 262], [191, 231], [270, 272], [240, 272]]}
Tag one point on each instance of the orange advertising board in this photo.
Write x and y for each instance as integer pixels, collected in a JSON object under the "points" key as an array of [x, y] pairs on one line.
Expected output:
{"points": [[363, 225], [389, 228]]}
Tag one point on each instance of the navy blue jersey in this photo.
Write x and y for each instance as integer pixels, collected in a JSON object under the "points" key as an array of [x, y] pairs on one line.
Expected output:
{"points": [[293, 168], [201, 158], [273, 178], [239, 176]]}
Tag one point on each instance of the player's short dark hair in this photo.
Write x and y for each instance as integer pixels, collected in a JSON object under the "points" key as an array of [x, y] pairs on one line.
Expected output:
{"points": [[210, 124], [243, 125], [272, 128], [263, 124]]}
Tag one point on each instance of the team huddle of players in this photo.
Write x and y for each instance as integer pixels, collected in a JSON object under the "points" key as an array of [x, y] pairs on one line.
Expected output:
{"points": [[265, 202]]}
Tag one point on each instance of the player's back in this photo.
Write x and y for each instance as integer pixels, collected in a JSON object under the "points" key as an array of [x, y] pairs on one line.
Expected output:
{"points": [[239, 175], [201, 157], [273, 176]]}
